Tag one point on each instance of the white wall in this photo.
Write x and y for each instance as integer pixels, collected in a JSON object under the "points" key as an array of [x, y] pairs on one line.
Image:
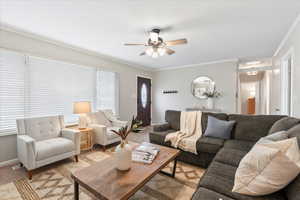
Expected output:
{"points": [[19, 42], [293, 41], [224, 74]]}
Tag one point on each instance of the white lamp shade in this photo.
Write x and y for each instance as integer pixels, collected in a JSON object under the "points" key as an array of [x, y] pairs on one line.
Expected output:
{"points": [[81, 107]]}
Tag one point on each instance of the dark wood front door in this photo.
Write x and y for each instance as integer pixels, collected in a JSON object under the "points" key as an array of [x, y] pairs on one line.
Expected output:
{"points": [[144, 100]]}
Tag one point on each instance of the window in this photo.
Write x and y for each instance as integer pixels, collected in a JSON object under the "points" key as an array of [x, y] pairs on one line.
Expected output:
{"points": [[34, 87], [12, 90], [107, 91], [53, 86]]}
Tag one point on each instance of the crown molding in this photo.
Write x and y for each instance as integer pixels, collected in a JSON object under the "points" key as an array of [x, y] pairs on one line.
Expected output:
{"points": [[28, 34], [196, 65], [287, 35]]}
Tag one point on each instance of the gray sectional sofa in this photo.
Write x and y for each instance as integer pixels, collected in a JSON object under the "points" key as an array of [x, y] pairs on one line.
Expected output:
{"points": [[221, 157]]}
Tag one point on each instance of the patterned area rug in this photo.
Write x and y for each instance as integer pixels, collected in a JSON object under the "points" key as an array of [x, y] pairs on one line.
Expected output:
{"points": [[54, 182]]}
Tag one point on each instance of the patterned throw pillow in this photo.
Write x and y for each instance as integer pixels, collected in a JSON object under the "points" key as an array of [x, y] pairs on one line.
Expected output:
{"points": [[268, 167]]}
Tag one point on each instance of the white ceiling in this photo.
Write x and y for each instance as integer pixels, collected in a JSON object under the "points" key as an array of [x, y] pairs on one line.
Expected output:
{"points": [[215, 29]]}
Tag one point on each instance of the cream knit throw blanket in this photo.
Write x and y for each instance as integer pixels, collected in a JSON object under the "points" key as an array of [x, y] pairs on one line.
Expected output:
{"points": [[190, 131]]}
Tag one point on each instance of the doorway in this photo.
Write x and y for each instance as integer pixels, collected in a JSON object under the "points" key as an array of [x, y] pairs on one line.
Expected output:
{"points": [[144, 100], [287, 83], [254, 91]]}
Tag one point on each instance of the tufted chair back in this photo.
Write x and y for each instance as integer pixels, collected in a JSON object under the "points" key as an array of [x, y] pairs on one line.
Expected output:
{"points": [[98, 118], [41, 128]]}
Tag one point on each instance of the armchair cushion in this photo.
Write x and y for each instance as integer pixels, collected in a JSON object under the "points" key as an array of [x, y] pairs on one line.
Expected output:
{"points": [[52, 147]]}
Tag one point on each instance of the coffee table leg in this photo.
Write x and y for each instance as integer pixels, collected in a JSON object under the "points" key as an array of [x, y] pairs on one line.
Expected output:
{"points": [[172, 174], [76, 191], [174, 168]]}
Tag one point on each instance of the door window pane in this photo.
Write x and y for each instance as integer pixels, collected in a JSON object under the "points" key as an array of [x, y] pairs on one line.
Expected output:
{"points": [[144, 95]]}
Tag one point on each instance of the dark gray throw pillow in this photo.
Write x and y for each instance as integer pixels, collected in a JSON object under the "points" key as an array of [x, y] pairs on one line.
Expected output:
{"points": [[218, 128]]}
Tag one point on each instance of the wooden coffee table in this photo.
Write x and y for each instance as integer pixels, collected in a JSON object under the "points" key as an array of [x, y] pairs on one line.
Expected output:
{"points": [[106, 182]]}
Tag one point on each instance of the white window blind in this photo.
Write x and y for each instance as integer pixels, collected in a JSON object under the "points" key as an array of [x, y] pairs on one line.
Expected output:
{"points": [[12, 79], [53, 86], [107, 91], [44, 87]]}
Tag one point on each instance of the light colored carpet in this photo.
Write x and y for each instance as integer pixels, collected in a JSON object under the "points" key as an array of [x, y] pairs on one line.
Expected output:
{"points": [[54, 182]]}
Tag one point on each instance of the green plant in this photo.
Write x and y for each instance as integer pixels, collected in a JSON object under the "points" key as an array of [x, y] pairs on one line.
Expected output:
{"points": [[214, 94]]}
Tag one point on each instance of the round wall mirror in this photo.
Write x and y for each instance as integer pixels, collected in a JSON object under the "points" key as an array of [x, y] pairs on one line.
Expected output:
{"points": [[202, 85]]}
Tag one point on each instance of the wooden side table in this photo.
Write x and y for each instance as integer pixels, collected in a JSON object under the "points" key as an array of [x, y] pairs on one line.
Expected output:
{"points": [[86, 141]]}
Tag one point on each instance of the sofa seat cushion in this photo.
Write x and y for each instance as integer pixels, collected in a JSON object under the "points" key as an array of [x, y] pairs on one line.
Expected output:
{"points": [[241, 145], [53, 147], [252, 127], [230, 156], [159, 137], [110, 133], [206, 194], [219, 177], [209, 145]]}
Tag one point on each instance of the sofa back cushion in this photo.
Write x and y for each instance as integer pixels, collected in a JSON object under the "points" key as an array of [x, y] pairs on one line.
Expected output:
{"points": [[41, 128], [284, 124], [204, 119], [173, 118], [252, 127]]}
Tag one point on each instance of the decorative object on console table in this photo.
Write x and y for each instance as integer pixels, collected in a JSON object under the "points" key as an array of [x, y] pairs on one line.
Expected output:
{"points": [[123, 151], [82, 107], [211, 98]]}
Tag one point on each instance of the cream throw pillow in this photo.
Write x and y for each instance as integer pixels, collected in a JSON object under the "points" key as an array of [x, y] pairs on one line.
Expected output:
{"points": [[268, 167]]}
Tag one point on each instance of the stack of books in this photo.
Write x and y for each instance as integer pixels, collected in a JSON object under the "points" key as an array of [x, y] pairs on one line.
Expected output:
{"points": [[145, 153]]}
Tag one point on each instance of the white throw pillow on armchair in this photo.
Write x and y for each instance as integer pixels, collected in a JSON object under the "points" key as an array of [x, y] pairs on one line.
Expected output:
{"points": [[268, 167]]}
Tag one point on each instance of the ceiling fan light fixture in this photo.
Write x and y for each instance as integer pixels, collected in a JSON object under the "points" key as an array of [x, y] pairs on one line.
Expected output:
{"points": [[155, 54], [154, 36], [161, 51], [149, 51]]}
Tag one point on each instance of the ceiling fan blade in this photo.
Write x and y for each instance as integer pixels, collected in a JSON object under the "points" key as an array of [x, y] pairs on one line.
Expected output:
{"points": [[169, 51], [176, 42], [135, 44], [143, 53]]}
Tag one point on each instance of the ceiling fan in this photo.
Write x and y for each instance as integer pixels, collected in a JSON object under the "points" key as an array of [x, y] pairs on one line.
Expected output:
{"points": [[156, 46]]}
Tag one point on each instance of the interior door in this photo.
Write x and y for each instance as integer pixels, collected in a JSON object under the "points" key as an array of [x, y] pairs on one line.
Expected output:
{"points": [[144, 100]]}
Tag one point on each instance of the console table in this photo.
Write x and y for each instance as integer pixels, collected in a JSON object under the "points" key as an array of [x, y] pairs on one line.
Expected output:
{"points": [[204, 110]]}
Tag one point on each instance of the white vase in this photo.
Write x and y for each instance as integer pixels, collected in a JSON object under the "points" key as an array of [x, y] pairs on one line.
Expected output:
{"points": [[210, 103], [123, 156]]}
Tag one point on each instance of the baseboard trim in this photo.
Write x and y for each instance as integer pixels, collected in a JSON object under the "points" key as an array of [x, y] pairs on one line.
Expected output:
{"points": [[9, 162]]}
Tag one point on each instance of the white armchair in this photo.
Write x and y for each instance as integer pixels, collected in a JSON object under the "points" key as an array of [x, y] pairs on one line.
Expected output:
{"points": [[45, 140], [103, 122]]}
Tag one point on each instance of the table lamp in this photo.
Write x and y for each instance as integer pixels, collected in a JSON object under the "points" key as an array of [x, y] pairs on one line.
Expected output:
{"points": [[81, 108]]}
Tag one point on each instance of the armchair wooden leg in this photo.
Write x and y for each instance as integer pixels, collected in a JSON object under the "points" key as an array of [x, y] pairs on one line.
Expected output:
{"points": [[29, 173], [104, 148], [76, 158]]}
